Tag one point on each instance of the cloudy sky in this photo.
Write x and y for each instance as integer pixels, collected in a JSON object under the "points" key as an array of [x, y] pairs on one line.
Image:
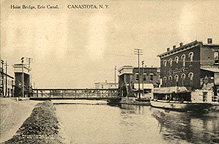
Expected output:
{"points": [[74, 48]]}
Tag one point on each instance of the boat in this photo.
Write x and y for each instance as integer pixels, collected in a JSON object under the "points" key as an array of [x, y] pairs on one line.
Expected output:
{"points": [[135, 101], [179, 99]]}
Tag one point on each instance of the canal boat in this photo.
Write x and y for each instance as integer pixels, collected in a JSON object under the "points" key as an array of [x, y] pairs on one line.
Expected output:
{"points": [[134, 101], [177, 98]]}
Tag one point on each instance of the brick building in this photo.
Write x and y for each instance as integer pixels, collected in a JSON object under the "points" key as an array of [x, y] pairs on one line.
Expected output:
{"points": [[194, 65], [129, 79]]}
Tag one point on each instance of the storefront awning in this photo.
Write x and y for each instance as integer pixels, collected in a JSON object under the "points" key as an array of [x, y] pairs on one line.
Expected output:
{"points": [[169, 90], [212, 69]]}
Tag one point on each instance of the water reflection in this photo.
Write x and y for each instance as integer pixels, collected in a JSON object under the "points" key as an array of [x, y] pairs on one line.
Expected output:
{"points": [[188, 127], [135, 124]]}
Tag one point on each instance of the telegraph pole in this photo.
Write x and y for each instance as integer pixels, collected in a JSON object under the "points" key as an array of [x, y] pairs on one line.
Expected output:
{"points": [[6, 79], [115, 75], [2, 77], [138, 52], [29, 61], [142, 78], [22, 61], [30, 77]]}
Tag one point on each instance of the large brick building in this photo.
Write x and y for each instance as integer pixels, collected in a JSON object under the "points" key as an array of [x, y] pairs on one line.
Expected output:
{"points": [[194, 65], [130, 78]]}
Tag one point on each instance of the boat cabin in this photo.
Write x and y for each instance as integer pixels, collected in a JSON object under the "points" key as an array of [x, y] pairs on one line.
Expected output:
{"points": [[172, 94]]}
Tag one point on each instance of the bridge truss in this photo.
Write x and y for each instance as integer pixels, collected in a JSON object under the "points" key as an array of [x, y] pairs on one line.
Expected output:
{"points": [[76, 93]]}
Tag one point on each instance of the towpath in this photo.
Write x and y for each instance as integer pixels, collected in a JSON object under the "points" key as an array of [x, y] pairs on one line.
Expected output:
{"points": [[12, 115]]}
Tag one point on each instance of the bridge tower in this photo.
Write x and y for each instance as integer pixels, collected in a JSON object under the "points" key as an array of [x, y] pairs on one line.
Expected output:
{"points": [[22, 80]]}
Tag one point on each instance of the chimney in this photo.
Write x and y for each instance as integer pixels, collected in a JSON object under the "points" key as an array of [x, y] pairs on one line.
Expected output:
{"points": [[209, 40], [181, 44], [174, 47], [168, 49]]}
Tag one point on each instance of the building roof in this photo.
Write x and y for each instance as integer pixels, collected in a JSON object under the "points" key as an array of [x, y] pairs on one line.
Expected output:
{"points": [[185, 47], [181, 48]]}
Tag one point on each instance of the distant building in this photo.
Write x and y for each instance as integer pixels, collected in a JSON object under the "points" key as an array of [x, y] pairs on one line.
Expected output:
{"points": [[194, 65], [18, 80], [129, 79], [6, 82], [106, 85]]}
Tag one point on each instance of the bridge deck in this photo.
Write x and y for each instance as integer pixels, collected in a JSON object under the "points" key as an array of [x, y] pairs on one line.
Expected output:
{"points": [[75, 94]]}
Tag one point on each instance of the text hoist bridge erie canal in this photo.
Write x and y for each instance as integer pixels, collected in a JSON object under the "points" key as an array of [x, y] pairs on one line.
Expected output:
{"points": [[95, 94]]}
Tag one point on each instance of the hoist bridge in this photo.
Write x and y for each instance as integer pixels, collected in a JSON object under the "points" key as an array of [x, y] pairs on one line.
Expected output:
{"points": [[44, 94]]}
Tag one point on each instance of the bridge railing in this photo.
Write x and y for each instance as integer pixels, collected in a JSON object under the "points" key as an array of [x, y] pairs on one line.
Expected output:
{"points": [[75, 93]]}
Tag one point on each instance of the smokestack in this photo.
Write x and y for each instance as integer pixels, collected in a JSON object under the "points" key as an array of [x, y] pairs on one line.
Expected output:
{"points": [[209, 40], [168, 49], [174, 47], [181, 44]]}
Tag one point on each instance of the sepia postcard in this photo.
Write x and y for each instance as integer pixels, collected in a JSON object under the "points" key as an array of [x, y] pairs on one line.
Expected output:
{"points": [[109, 71]]}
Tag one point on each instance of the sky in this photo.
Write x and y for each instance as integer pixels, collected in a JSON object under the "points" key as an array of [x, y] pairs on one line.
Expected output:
{"points": [[75, 48]]}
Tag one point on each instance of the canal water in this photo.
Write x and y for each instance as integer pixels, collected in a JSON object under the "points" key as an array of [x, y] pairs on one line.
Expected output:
{"points": [[95, 122]]}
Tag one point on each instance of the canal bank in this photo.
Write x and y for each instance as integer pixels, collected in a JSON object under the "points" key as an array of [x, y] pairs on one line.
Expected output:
{"points": [[13, 114], [42, 126]]}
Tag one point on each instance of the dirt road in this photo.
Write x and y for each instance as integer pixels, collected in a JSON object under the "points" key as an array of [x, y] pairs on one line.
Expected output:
{"points": [[12, 115]]}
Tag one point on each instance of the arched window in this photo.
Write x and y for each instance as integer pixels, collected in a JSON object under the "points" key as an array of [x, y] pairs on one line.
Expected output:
{"points": [[183, 76], [191, 56], [176, 78], [170, 77], [183, 57], [171, 62], [216, 57], [191, 75], [165, 80], [177, 59], [165, 63]]}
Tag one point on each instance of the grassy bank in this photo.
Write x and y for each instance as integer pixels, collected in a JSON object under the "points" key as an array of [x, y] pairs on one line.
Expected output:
{"points": [[41, 127]]}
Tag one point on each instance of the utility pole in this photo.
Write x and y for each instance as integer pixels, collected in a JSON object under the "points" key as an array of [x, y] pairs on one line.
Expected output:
{"points": [[142, 78], [138, 52], [30, 60], [6, 79], [22, 61], [115, 75], [30, 77], [2, 77]]}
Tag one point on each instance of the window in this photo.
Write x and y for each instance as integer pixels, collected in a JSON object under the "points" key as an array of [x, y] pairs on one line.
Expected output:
{"points": [[176, 78], [216, 59], [151, 77], [190, 75], [191, 56], [144, 77], [183, 57], [177, 59], [171, 62], [165, 80], [137, 77], [170, 77], [183, 76], [165, 63]]}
